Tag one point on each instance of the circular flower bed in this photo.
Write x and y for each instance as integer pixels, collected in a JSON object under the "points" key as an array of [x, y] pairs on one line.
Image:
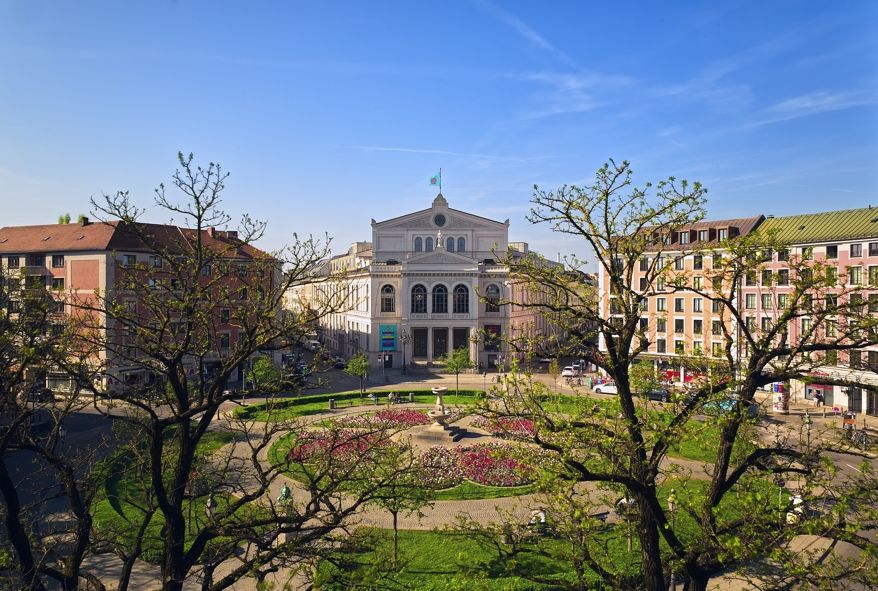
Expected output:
{"points": [[506, 427], [388, 419], [340, 444], [489, 464], [494, 464]]}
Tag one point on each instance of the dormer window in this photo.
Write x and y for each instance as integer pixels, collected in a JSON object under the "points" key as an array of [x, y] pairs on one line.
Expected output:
{"points": [[702, 235], [722, 234], [684, 237]]}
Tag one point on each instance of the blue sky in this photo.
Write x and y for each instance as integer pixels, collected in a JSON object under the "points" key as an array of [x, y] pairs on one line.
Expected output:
{"points": [[328, 114]]}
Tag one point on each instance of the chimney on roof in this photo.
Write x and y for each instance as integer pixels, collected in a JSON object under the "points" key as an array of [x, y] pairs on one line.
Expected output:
{"points": [[83, 221], [211, 231]]}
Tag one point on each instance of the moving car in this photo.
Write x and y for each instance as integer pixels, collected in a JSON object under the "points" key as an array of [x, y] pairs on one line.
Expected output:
{"points": [[570, 372], [608, 388]]}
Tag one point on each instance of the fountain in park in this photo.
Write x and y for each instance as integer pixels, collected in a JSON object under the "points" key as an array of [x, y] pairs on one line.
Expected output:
{"points": [[439, 432], [439, 414]]}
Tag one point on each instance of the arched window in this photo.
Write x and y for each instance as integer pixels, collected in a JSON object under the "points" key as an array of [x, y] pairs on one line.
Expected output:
{"points": [[492, 297], [440, 300], [461, 244], [461, 300], [388, 299], [419, 244], [449, 245], [428, 244], [419, 299]]}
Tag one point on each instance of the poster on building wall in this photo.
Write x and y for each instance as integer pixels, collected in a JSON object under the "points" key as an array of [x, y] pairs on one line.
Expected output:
{"points": [[387, 334]]}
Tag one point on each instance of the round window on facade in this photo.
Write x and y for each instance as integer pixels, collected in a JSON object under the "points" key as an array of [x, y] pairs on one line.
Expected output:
{"points": [[439, 220]]}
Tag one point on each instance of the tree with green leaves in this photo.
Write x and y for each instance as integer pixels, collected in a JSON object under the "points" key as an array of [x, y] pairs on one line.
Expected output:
{"points": [[622, 448], [402, 489], [358, 367], [264, 375], [457, 362]]}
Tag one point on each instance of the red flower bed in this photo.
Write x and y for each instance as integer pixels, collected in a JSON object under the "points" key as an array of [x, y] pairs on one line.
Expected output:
{"points": [[493, 465], [506, 427]]}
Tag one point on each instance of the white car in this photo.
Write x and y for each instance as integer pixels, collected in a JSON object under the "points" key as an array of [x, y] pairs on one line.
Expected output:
{"points": [[569, 372], [608, 388]]}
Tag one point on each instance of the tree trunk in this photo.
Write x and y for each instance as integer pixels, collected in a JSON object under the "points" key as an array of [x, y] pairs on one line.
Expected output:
{"points": [[650, 549], [395, 539], [15, 530]]}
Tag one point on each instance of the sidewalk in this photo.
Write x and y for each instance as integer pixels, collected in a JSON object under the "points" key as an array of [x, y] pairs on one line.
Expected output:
{"points": [[826, 425]]}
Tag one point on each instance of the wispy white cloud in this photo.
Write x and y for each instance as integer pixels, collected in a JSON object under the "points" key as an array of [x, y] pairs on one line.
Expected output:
{"points": [[483, 158], [570, 92], [812, 103], [525, 31]]}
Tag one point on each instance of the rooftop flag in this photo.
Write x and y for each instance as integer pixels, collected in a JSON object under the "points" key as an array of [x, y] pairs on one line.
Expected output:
{"points": [[436, 180]]}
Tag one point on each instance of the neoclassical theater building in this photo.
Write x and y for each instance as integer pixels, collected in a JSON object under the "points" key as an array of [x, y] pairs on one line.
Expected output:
{"points": [[429, 282]]}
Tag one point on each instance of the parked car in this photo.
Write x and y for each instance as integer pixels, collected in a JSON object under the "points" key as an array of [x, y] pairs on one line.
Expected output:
{"points": [[339, 363], [313, 345], [660, 394], [41, 422], [608, 388], [570, 372], [37, 394], [728, 405]]}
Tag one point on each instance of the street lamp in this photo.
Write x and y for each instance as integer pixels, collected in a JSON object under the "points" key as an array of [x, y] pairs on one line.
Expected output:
{"points": [[475, 339], [672, 507], [779, 481], [404, 339]]}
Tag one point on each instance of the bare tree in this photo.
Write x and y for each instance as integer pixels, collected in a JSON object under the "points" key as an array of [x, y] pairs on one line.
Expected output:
{"points": [[183, 317]]}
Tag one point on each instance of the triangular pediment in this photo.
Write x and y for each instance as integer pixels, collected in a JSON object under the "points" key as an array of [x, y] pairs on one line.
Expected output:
{"points": [[423, 220], [439, 257]]}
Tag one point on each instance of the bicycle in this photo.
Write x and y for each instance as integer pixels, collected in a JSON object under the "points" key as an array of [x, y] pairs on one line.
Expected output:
{"points": [[860, 438]]}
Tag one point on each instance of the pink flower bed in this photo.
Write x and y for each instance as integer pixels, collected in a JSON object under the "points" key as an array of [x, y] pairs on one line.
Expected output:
{"points": [[494, 465], [388, 419], [440, 468], [506, 427], [341, 444]]}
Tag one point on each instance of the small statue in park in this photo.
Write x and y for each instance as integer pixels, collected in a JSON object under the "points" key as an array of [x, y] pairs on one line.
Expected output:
{"points": [[285, 494]]}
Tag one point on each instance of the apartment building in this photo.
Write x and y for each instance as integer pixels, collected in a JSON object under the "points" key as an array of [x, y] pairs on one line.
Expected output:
{"points": [[679, 322], [85, 264], [846, 242]]}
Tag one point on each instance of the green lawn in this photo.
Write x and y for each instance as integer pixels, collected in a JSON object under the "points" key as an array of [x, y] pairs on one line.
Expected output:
{"points": [[120, 509], [452, 561], [448, 561], [282, 409]]}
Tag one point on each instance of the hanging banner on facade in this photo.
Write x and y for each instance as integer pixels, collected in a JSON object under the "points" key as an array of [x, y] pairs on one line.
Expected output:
{"points": [[387, 334]]}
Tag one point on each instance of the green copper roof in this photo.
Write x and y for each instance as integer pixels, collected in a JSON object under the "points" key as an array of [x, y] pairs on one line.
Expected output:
{"points": [[848, 224]]}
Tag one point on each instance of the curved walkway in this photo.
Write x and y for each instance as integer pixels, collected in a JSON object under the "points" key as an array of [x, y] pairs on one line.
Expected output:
{"points": [[442, 513]]}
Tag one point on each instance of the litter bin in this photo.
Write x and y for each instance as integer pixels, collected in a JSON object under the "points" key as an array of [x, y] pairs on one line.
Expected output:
{"points": [[411, 396], [332, 404]]}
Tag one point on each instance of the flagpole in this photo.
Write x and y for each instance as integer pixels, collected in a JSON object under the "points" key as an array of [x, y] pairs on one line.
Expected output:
{"points": [[440, 180]]}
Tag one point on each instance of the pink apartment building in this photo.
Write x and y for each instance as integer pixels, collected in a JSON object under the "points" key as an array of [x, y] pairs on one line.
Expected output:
{"points": [[679, 323]]}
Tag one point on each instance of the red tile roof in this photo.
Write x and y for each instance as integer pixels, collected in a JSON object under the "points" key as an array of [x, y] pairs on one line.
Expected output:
{"points": [[115, 236]]}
